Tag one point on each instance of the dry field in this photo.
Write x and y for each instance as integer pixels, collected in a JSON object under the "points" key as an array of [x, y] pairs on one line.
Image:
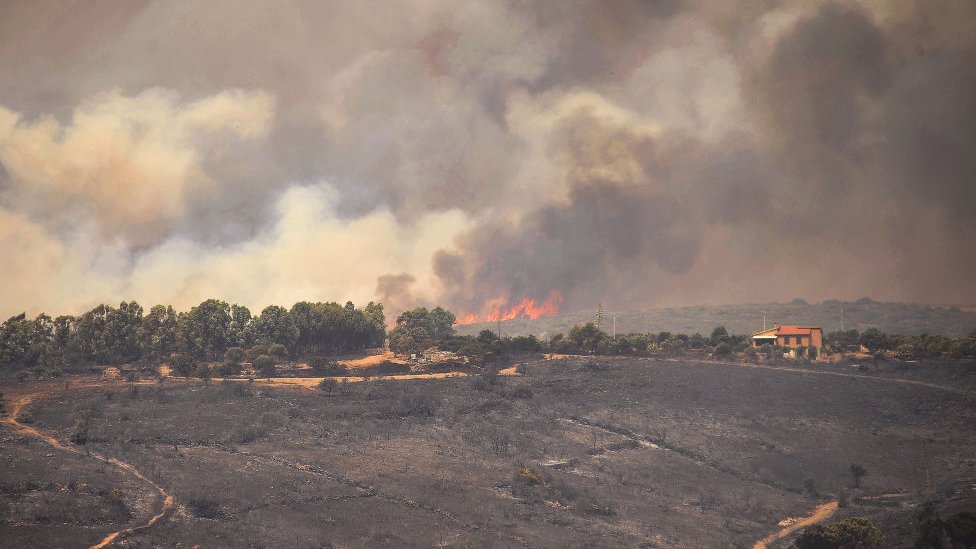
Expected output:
{"points": [[574, 453]]}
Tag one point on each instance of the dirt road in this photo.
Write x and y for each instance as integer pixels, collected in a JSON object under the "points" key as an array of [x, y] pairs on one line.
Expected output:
{"points": [[21, 400], [822, 512]]}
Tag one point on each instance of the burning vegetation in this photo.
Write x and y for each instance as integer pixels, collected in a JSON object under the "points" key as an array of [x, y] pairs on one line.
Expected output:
{"points": [[499, 309]]}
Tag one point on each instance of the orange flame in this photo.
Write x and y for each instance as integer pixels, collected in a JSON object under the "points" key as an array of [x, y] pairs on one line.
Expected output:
{"points": [[526, 308], [469, 318]]}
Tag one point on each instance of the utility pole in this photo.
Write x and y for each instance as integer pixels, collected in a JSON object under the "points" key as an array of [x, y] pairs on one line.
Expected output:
{"points": [[499, 327], [842, 318], [614, 327]]}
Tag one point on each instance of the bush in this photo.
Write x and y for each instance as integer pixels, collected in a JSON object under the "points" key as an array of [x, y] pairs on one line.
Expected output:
{"points": [[116, 502], [233, 356], [278, 351], [722, 349], [386, 368], [80, 434], [228, 370], [328, 385], [26, 417], [265, 365], [487, 381], [204, 372], [855, 532], [184, 365], [254, 352], [520, 391], [858, 472], [202, 507], [958, 530], [751, 353], [527, 477], [325, 367]]}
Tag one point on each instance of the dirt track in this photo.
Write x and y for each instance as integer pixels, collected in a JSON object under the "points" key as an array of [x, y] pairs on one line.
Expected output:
{"points": [[823, 512], [26, 398]]}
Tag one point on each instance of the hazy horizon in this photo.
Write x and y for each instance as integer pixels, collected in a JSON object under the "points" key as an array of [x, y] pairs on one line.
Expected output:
{"points": [[486, 155]]}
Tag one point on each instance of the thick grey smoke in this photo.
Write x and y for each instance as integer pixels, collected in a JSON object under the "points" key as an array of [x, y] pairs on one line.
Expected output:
{"points": [[476, 153]]}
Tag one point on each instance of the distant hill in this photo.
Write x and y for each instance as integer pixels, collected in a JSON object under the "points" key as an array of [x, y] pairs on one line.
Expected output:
{"points": [[894, 318]]}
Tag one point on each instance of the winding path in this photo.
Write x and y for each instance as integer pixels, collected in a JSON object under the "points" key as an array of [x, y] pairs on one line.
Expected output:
{"points": [[23, 400]]}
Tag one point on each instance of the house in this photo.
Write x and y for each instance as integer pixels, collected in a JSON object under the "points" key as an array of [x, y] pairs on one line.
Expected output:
{"points": [[790, 337]]}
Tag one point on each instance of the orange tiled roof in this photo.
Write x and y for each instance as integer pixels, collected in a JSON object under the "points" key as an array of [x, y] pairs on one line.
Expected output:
{"points": [[796, 330]]}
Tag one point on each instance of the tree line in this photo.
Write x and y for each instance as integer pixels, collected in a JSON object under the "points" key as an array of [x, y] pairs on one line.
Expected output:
{"points": [[590, 339], [127, 334], [906, 347]]}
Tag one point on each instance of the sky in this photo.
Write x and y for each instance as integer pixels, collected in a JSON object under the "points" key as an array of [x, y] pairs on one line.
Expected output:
{"points": [[480, 154]]}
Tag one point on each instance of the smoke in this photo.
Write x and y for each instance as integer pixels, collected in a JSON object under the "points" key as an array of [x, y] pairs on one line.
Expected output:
{"points": [[481, 154]]}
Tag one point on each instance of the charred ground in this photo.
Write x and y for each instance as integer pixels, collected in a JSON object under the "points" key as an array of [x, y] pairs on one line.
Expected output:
{"points": [[577, 452]]}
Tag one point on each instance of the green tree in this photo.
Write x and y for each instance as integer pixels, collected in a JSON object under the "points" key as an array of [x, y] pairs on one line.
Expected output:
{"points": [[157, 333], [275, 325], [233, 356], [722, 349], [441, 324], [376, 324], [958, 530], [487, 336], [586, 338], [873, 340], [851, 533], [239, 331], [265, 366], [406, 341], [719, 335], [209, 323]]}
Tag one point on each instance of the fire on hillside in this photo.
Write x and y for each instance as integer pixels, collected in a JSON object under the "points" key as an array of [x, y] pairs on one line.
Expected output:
{"points": [[499, 309]]}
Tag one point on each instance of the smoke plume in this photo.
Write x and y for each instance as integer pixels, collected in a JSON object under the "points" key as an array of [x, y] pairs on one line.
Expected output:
{"points": [[497, 158]]}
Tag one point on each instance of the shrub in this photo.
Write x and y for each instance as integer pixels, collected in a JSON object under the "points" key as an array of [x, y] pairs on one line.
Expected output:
{"points": [[328, 385], [229, 369], [521, 391], [265, 365], [858, 471], [202, 507], [204, 372], [959, 530], [80, 434], [415, 405], [184, 364], [751, 353], [250, 433], [278, 350], [233, 356], [527, 477], [254, 352], [722, 349], [386, 368], [487, 381], [116, 502], [855, 532], [325, 367]]}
